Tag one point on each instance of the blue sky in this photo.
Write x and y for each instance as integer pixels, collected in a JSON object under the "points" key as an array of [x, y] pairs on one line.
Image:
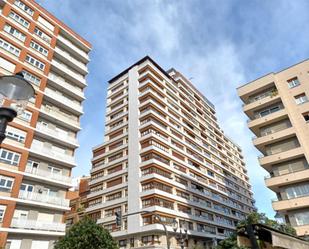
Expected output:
{"points": [[221, 44]]}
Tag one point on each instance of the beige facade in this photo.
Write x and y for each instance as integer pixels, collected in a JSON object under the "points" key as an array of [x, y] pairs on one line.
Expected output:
{"points": [[278, 110], [164, 154], [37, 155]]}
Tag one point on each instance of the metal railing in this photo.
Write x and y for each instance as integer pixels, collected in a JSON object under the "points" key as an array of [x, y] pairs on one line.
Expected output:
{"points": [[45, 198], [37, 225]]}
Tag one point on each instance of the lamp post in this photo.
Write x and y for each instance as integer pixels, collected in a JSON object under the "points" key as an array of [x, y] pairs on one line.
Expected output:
{"points": [[183, 235], [15, 92]]}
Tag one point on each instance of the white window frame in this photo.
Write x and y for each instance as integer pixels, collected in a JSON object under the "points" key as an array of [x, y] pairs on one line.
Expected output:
{"points": [[300, 99], [27, 186], [19, 19], [8, 183], [26, 115], [15, 136], [9, 47], [39, 48], [24, 7], [14, 32], [42, 35], [35, 62], [10, 157], [32, 78], [2, 212], [293, 82], [33, 165]]}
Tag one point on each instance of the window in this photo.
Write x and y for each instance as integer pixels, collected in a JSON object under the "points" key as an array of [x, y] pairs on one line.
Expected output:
{"points": [[302, 218], [19, 19], [150, 240], [32, 166], [9, 157], [15, 135], [9, 47], [306, 116], [293, 82], [297, 191], [24, 7], [39, 48], [6, 183], [32, 78], [14, 32], [26, 115], [35, 62], [42, 35], [2, 212], [54, 171], [301, 98], [122, 243], [26, 187]]}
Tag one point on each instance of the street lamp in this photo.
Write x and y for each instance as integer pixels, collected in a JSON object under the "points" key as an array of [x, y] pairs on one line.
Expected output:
{"points": [[15, 92], [182, 236]]}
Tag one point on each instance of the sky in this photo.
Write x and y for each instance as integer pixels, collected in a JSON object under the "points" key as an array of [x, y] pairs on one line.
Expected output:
{"points": [[219, 44]]}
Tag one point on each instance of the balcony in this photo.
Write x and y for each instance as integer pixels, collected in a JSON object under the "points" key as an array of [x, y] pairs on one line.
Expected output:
{"points": [[258, 104], [77, 78], [260, 142], [254, 87], [52, 154], [64, 102], [73, 48], [291, 178], [290, 204], [76, 64], [54, 135], [37, 225], [268, 119], [65, 180], [61, 82], [43, 198], [61, 118], [267, 161]]}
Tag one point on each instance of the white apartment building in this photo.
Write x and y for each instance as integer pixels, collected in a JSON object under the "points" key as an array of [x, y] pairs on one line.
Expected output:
{"points": [[164, 154], [37, 156]]}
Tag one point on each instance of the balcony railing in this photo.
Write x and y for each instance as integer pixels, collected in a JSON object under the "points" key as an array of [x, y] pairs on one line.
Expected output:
{"points": [[64, 100], [68, 71], [56, 134], [72, 46], [61, 81], [43, 198], [59, 115], [52, 153], [69, 57], [48, 174], [37, 225]]}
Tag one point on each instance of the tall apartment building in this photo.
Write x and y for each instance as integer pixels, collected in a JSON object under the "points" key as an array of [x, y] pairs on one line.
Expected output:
{"points": [[37, 156], [165, 154], [278, 110]]}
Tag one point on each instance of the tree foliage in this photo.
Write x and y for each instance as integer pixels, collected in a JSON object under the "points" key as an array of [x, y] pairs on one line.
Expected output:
{"points": [[255, 218], [86, 234]]}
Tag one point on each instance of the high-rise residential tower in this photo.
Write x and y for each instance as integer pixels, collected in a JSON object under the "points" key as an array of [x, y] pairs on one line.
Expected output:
{"points": [[165, 154], [37, 156], [278, 110]]}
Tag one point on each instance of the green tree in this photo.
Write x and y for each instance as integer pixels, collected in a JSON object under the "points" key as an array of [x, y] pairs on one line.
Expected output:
{"points": [[86, 234], [229, 243]]}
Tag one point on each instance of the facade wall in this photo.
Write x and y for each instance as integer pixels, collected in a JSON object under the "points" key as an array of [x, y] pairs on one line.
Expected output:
{"points": [[37, 156], [164, 154], [285, 139]]}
